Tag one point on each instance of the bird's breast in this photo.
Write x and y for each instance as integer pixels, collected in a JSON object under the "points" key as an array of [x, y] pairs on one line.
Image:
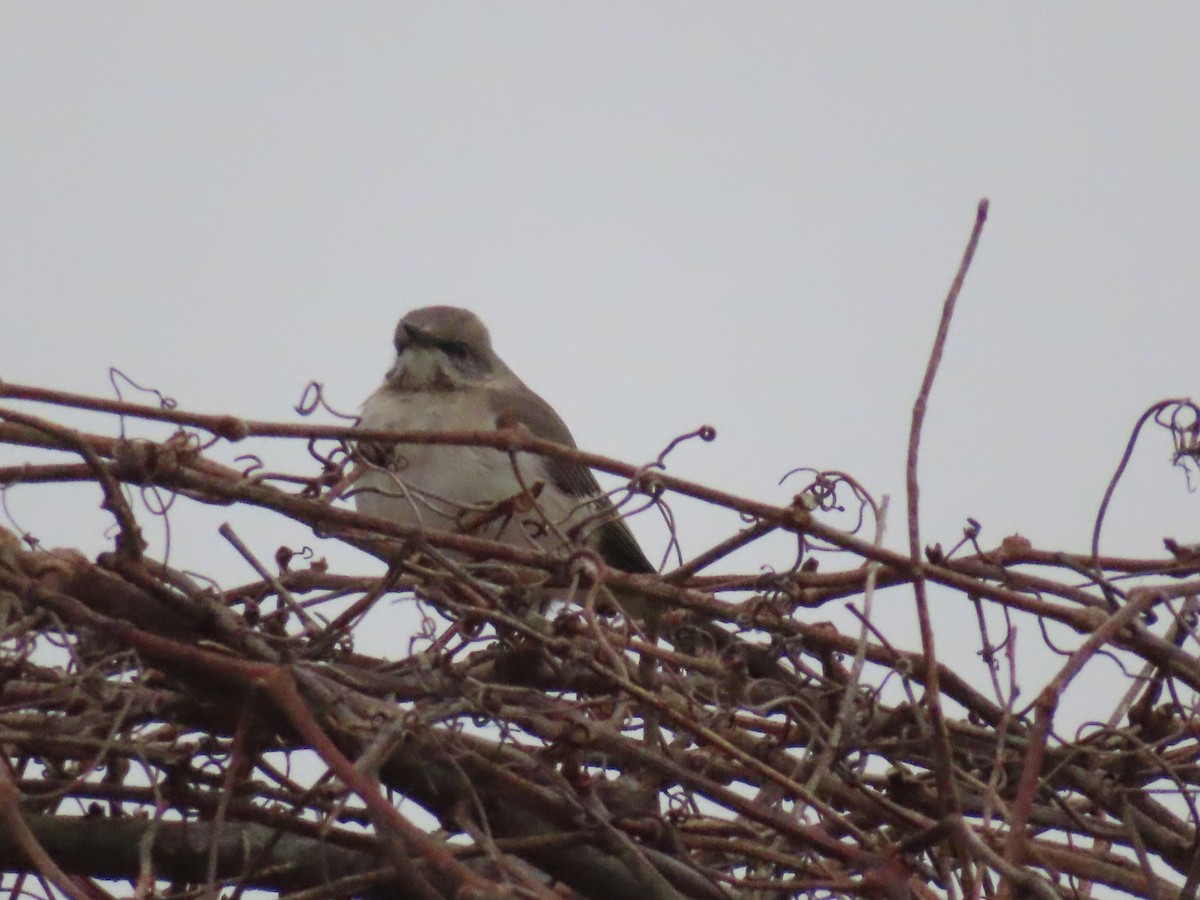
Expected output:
{"points": [[436, 485]]}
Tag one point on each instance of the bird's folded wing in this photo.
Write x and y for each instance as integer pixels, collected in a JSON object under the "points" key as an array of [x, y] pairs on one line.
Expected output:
{"points": [[611, 536]]}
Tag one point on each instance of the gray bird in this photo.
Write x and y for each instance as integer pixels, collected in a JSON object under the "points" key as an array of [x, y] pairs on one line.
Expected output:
{"points": [[447, 378]]}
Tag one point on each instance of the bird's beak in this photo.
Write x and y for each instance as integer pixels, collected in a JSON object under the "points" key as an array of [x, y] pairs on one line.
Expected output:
{"points": [[409, 334]]}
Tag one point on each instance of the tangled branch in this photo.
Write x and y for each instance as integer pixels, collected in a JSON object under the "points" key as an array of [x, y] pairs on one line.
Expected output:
{"points": [[162, 729]]}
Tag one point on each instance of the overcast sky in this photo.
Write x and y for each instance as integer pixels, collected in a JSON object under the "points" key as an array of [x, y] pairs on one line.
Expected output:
{"points": [[669, 214]]}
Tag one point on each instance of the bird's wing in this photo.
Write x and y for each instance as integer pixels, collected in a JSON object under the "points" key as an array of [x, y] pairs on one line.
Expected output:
{"points": [[613, 539]]}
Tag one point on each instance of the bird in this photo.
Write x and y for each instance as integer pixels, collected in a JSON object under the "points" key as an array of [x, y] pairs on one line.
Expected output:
{"points": [[447, 377]]}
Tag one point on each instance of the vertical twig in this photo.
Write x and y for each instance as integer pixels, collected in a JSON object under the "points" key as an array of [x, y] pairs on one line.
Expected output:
{"points": [[943, 768], [845, 716]]}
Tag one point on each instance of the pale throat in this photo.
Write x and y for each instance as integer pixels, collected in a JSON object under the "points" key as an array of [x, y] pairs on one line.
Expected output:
{"points": [[425, 369]]}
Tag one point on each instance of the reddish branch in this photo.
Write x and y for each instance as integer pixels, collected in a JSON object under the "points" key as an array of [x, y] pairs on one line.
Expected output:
{"points": [[159, 728], [550, 686]]}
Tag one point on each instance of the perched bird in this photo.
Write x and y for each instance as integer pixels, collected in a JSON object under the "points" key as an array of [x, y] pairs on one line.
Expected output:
{"points": [[447, 378]]}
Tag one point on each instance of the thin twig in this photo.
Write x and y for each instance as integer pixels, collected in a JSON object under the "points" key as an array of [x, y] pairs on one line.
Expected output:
{"points": [[944, 770]]}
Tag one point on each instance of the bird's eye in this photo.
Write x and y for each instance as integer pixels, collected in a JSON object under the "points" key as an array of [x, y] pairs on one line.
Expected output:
{"points": [[455, 349]]}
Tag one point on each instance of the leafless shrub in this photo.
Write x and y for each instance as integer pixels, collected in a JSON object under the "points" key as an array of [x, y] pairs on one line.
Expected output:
{"points": [[161, 730]]}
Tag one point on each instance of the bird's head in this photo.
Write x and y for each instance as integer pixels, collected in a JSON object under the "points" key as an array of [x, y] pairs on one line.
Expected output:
{"points": [[443, 348]]}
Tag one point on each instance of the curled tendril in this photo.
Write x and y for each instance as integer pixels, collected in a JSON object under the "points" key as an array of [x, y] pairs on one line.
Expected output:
{"points": [[153, 499], [334, 460], [1184, 426], [312, 398], [821, 493], [256, 464], [706, 433], [1185, 435], [189, 443], [643, 480], [115, 376]]}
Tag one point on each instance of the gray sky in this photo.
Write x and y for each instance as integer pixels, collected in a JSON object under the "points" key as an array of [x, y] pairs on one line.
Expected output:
{"points": [[669, 214]]}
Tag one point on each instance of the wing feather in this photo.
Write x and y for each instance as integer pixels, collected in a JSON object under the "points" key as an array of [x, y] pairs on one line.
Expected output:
{"points": [[611, 538]]}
